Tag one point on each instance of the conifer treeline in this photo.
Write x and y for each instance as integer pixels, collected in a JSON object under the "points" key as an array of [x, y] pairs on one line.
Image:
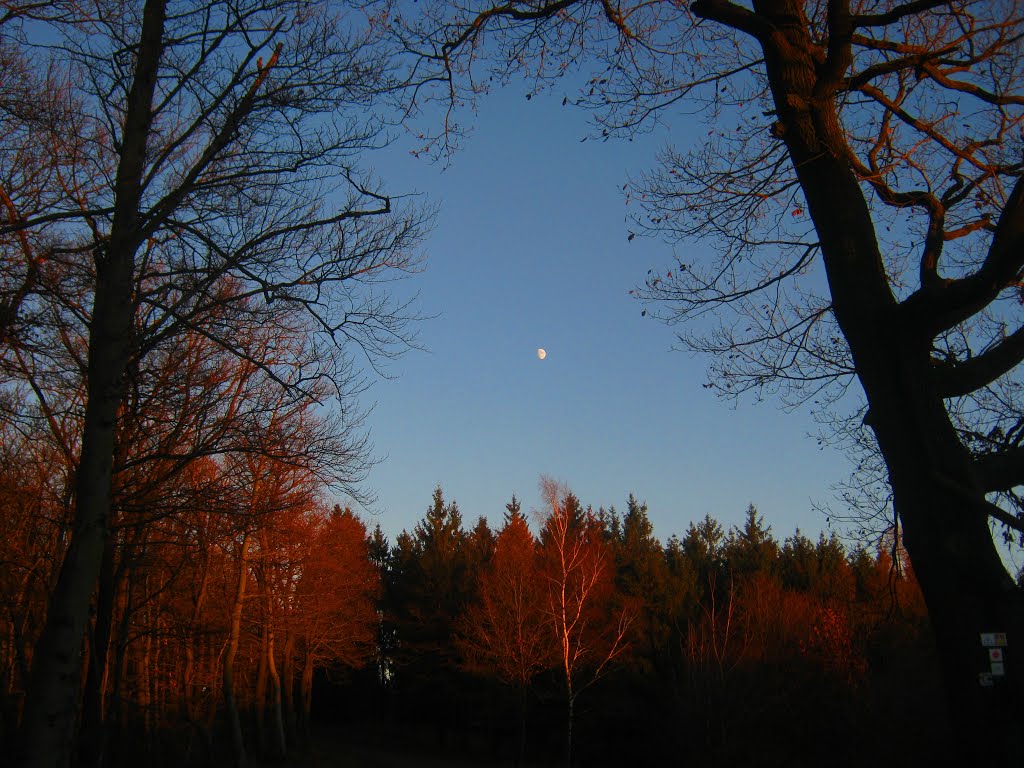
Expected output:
{"points": [[588, 642], [593, 643]]}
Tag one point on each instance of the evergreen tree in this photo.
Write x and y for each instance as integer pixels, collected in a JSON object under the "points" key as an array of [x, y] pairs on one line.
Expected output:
{"points": [[751, 548], [379, 549], [682, 586], [703, 547], [480, 545], [379, 552], [398, 621], [610, 522], [799, 564], [641, 575], [430, 588], [835, 577], [513, 510]]}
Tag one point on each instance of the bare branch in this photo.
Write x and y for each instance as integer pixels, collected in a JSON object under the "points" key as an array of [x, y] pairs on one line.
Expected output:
{"points": [[962, 378], [898, 13], [934, 309], [1002, 471], [732, 15]]}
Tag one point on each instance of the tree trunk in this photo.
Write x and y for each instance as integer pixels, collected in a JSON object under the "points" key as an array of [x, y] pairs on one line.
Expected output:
{"points": [[228, 681], [115, 712], [52, 698], [94, 726], [568, 730], [259, 709], [268, 665], [307, 700], [522, 725], [145, 687], [288, 687], [8, 707], [965, 584], [188, 696], [211, 709], [277, 740], [935, 494]]}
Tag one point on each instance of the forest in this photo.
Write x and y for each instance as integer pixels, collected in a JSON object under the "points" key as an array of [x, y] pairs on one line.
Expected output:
{"points": [[197, 288], [238, 617]]}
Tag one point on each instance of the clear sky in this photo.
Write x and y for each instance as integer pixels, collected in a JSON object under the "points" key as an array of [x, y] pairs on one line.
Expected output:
{"points": [[530, 250]]}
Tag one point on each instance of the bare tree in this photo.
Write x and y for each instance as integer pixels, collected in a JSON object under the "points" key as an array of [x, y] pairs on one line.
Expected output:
{"points": [[196, 156], [860, 190], [576, 564]]}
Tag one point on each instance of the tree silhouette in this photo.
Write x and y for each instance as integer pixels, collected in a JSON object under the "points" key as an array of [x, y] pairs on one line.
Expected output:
{"points": [[199, 173], [751, 548], [427, 591], [860, 189], [642, 575]]}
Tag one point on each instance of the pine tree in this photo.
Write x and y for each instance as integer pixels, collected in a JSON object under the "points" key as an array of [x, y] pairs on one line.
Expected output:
{"points": [[641, 576], [429, 589], [751, 548]]}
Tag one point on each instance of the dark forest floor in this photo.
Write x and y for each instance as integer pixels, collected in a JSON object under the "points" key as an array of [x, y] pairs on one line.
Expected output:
{"points": [[340, 756], [333, 748]]}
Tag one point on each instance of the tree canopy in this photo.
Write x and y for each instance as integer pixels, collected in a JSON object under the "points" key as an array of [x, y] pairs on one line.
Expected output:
{"points": [[174, 170], [861, 190]]}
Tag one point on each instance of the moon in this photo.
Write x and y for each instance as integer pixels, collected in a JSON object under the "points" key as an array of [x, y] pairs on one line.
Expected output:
{"points": [[541, 353]]}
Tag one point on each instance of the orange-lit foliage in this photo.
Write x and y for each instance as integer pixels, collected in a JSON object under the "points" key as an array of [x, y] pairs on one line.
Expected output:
{"points": [[34, 510], [832, 645], [577, 568], [506, 632], [336, 591], [209, 455], [802, 627]]}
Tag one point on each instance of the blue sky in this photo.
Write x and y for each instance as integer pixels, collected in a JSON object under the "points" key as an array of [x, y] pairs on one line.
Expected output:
{"points": [[530, 250]]}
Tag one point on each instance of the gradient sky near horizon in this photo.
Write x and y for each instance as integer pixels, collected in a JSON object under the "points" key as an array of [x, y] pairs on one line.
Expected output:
{"points": [[530, 250]]}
